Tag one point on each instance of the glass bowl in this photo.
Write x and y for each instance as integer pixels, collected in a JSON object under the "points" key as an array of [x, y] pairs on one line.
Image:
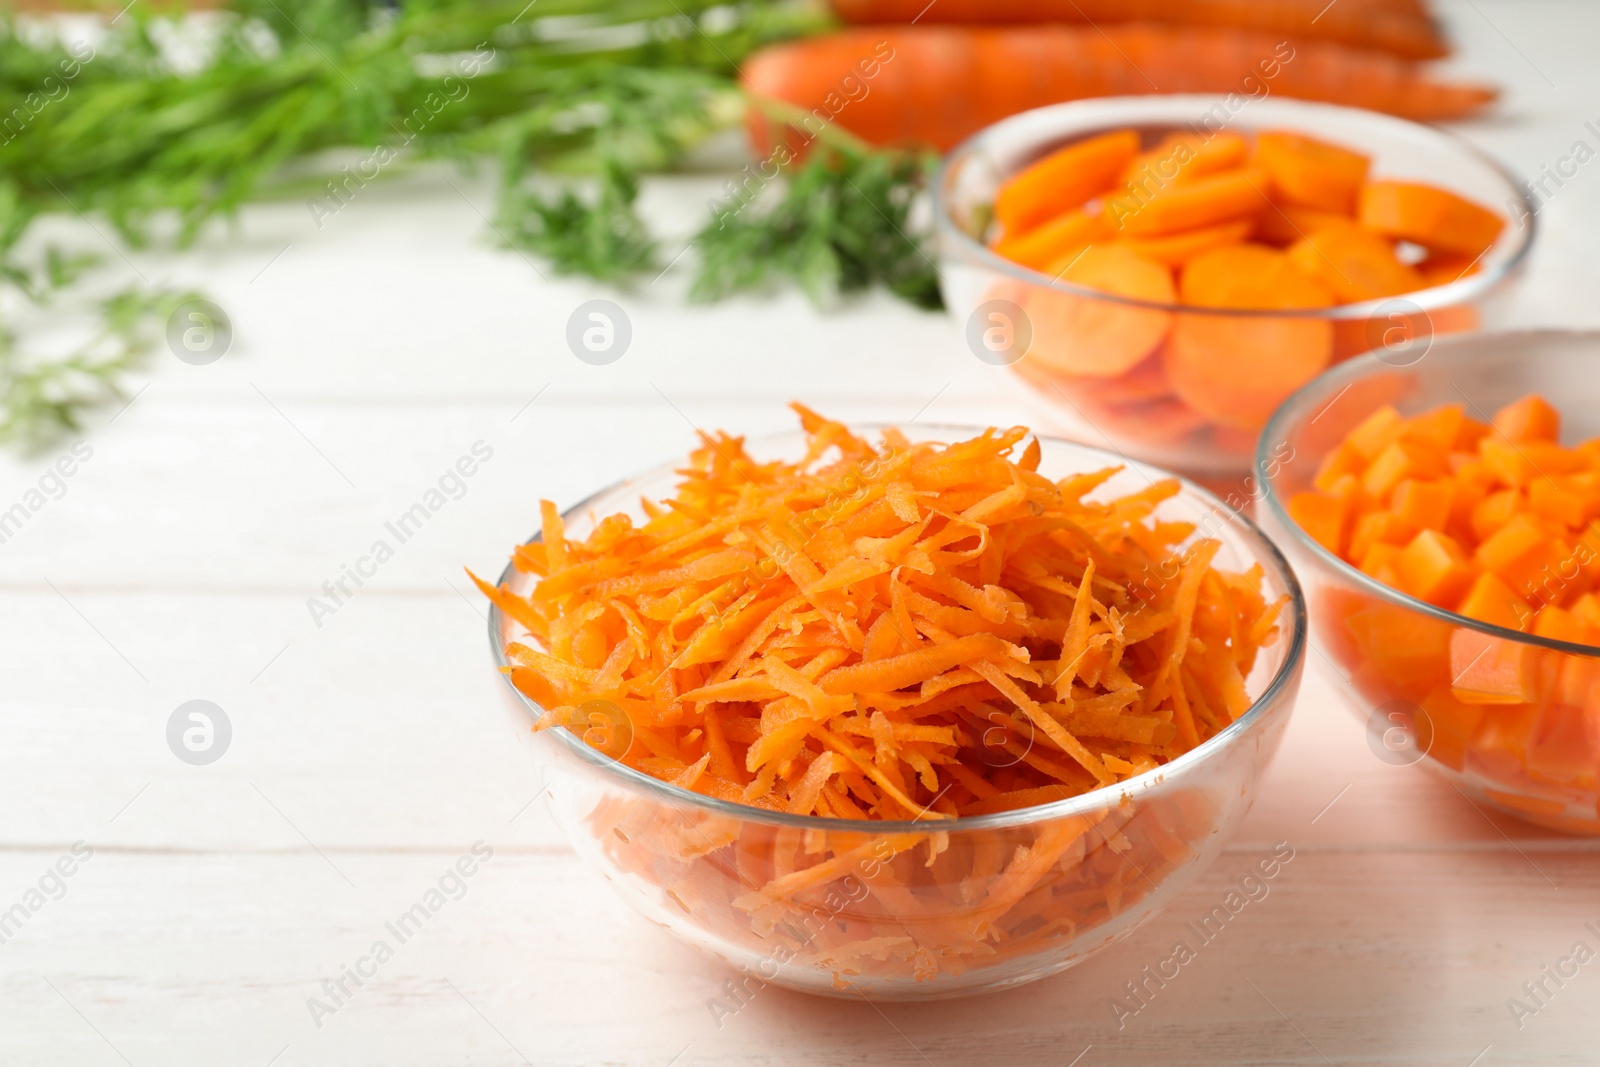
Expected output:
{"points": [[1021, 318], [1531, 747], [917, 909]]}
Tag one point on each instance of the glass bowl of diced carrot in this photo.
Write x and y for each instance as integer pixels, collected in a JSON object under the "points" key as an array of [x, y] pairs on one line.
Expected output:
{"points": [[810, 720], [1161, 272], [1443, 517]]}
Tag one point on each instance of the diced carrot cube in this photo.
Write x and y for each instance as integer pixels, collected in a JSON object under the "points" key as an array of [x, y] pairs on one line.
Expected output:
{"points": [[1446, 727], [1470, 467], [1472, 431], [1499, 750], [1492, 601], [1379, 559], [1558, 625], [1547, 498], [1426, 505], [1376, 432], [1323, 517], [1399, 461], [1550, 458], [1345, 459], [1489, 670], [1522, 553], [1439, 428], [1463, 502], [1560, 749], [1433, 568], [1528, 419], [1408, 651], [1345, 487], [1587, 608], [1494, 511], [1586, 553], [1379, 527], [1507, 462]]}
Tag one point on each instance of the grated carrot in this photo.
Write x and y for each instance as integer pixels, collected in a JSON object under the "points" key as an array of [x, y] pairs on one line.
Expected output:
{"points": [[783, 612], [899, 631]]}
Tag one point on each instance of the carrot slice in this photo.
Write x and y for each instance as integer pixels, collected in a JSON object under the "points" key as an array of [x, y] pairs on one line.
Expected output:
{"points": [[1062, 237], [1432, 217], [1179, 206], [1176, 249], [1355, 263], [1284, 224], [1442, 268], [1085, 335], [1237, 369], [1312, 173], [1184, 157], [1063, 180]]}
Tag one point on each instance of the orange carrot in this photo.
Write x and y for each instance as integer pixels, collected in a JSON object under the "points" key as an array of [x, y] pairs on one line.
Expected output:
{"points": [[1063, 180], [1079, 335], [1208, 201], [1176, 249], [1284, 224], [1483, 526], [1355, 263], [1529, 419], [1236, 370], [1402, 28], [1430, 216], [1062, 237], [935, 85], [1442, 268], [1311, 173], [1497, 523], [1183, 157], [822, 635]]}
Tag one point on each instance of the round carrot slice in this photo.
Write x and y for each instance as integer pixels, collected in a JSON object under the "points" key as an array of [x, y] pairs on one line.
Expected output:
{"points": [[1062, 180], [1438, 220], [1236, 369], [1355, 263], [1085, 335], [1312, 173]]}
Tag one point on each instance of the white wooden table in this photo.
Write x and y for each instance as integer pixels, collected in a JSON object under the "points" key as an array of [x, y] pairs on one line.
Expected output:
{"points": [[369, 752]]}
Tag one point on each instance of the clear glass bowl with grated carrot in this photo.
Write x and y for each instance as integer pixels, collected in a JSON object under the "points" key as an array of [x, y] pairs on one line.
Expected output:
{"points": [[1445, 518], [1159, 273], [905, 713]]}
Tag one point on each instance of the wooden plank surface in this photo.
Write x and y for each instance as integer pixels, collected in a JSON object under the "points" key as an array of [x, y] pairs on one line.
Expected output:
{"points": [[372, 750]]}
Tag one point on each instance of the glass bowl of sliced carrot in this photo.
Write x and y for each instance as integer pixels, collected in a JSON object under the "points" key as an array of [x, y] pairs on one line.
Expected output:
{"points": [[900, 712], [1161, 272], [1443, 517]]}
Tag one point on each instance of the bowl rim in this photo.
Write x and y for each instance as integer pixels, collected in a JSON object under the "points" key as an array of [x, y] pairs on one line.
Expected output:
{"points": [[1346, 374], [1268, 556], [1462, 290]]}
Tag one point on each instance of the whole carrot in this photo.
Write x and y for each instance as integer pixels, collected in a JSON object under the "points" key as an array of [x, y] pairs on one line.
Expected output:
{"points": [[1401, 27], [935, 85]]}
